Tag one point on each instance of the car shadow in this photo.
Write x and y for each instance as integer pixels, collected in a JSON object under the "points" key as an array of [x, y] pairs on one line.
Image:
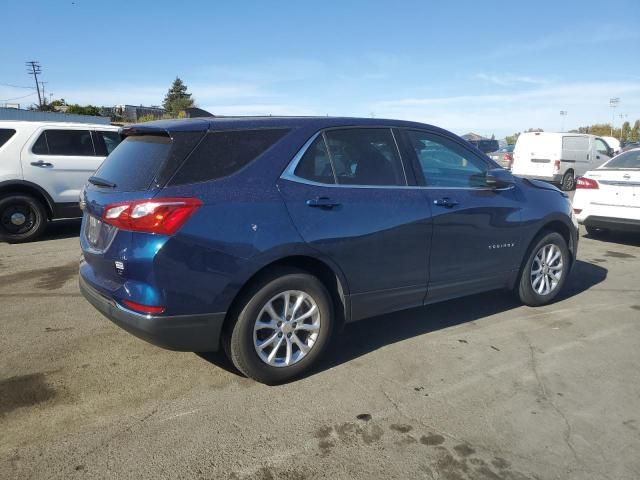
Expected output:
{"points": [[622, 238], [59, 229], [360, 338]]}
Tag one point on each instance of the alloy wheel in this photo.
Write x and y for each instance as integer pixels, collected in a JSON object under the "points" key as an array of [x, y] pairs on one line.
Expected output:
{"points": [[286, 328], [546, 269]]}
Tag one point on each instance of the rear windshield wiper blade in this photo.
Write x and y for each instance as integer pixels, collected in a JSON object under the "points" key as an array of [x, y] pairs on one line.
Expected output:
{"points": [[101, 182]]}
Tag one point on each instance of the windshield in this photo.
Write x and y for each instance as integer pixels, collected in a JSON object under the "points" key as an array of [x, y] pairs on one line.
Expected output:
{"points": [[630, 159]]}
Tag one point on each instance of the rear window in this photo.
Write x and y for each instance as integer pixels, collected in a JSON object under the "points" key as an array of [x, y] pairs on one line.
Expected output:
{"points": [[134, 164], [629, 159], [5, 135], [221, 154]]}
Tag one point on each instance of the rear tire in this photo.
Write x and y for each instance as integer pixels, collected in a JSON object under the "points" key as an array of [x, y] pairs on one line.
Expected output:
{"points": [[568, 181], [263, 325], [545, 270], [22, 218]]}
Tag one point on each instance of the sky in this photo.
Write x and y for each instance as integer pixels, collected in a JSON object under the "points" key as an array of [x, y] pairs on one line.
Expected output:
{"points": [[490, 67]]}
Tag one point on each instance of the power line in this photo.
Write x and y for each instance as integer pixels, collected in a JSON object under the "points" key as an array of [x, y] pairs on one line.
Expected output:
{"points": [[16, 86], [33, 68], [17, 98]]}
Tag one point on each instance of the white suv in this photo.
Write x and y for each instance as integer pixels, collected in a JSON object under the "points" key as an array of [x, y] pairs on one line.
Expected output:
{"points": [[43, 166]]}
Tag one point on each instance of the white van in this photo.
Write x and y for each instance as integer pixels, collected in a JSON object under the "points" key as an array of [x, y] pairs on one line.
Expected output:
{"points": [[43, 166], [558, 157]]}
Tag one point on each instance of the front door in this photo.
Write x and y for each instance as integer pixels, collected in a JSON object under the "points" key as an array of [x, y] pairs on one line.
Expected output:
{"points": [[60, 161], [475, 228], [348, 198], [599, 153]]}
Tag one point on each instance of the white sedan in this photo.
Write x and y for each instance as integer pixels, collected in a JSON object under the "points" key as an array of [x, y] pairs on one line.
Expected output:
{"points": [[608, 198]]}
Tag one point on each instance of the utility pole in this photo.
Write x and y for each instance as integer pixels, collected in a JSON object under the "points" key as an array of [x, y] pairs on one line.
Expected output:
{"points": [[613, 103], [33, 68], [44, 97]]}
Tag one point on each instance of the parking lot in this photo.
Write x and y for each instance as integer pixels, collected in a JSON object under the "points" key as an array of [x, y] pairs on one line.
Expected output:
{"points": [[476, 388]]}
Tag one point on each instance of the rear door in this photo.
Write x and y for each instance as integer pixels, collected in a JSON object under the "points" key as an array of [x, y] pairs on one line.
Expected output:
{"points": [[476, 230], [348, 196], [535, 154], [60, 161]]}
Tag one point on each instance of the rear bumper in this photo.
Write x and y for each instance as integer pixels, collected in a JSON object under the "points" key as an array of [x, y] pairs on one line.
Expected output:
{"points": [[186, 333], [612, 223]]}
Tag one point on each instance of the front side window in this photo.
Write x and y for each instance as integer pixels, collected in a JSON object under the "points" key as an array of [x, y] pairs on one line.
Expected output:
{"points": [[315, 164], [64, 142], [601, 147], [445, 163], [365, 156]]}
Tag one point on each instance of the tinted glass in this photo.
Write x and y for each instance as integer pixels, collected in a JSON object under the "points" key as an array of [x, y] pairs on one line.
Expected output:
{"points": [[315, 164], [40, 147], [5, 135], [222, 153], [107, 142], [365, 156], [629, 159], [134, 164], [445, 163], [69, 142]]}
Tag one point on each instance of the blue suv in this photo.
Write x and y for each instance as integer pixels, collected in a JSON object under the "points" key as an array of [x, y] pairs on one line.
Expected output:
{"points": [[262, 235]]}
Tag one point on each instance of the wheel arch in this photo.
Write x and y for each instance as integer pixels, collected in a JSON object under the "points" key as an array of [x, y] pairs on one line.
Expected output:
{"points": [[332, 279], [27, 188]]}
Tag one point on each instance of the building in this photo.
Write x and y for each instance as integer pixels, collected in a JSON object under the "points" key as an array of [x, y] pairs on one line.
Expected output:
{"points": [[132, 113]]}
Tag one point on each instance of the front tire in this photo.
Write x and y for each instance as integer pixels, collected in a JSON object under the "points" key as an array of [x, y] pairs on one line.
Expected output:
{"points": [[22, 218], [283, 327], [545, 270]]}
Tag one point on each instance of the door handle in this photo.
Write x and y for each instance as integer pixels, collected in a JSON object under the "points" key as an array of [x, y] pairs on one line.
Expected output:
{"points": [[322, 202], [445, 202], [40, 163]]}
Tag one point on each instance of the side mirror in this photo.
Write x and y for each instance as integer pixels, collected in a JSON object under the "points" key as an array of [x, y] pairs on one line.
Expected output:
{"points": [[499, 178], [610, 152]]}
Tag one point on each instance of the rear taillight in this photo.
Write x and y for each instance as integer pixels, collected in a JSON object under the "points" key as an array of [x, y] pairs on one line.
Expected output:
{"points": [[508, 158], [138, 307], [584, 182], [556, 166], [163, 216]]}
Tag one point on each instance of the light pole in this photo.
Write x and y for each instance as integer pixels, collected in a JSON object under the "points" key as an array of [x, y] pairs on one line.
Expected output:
{"points": [[622, 117], [563, 114], [613, 103]]}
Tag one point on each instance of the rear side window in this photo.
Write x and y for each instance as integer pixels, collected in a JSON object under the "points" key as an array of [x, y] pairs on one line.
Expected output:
{"points": [[105, 142], [135, 163], [365, 156], [5, 135], [630, 159], [315, 164], [64, 142], [223, 153]]}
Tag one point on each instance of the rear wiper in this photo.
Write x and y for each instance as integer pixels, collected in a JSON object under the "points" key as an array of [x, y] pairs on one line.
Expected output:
{"points": [[101, 182]]}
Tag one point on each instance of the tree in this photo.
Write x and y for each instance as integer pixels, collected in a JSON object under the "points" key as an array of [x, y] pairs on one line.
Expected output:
{"points": [[635, 132], [625, 130], [177, 99], [512, 139], [84, 110]]}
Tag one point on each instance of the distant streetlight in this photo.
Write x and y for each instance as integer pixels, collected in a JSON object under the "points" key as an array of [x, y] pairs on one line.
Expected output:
{"points": [[563, 114], [613, 103]]}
